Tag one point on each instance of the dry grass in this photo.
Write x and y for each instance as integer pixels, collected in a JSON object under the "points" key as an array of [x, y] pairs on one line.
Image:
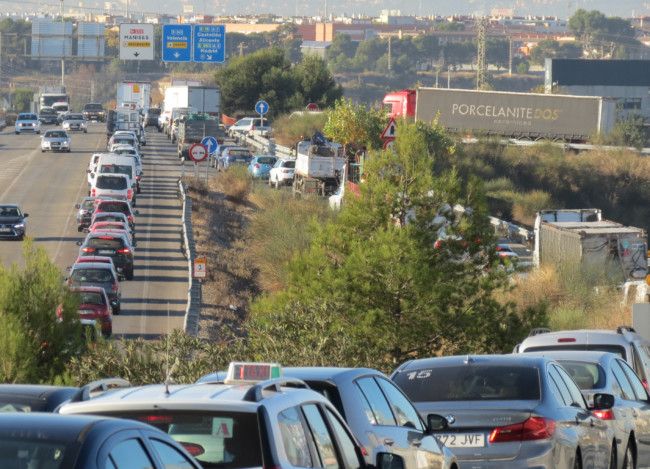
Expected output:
{"points": [[287, 130], [236, 184], [571, 300]]}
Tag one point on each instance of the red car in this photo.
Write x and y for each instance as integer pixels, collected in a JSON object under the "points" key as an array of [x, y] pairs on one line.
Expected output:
{"points": [[121, 206], [94, 305]]}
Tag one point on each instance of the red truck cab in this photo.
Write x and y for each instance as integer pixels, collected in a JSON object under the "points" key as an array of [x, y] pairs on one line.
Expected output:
{"points": [[400, 104]]}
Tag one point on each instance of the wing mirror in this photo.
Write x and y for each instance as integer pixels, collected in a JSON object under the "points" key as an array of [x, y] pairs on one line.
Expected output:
{"points": [[436, 422], [603, 401], [78, 243], [77, 206], [25, 215]]}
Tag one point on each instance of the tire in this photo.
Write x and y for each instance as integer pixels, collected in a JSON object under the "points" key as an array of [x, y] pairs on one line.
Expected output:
{"points": [[628, 460], [17, 133], [613, 457], [42, 151], [68, 150], [577, 462]]}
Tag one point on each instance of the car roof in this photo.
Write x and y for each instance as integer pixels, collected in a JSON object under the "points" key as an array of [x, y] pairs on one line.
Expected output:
{"points": [[87, 289], [532, 360], [92, 265], [100, 233], [577, 355], [581, 336], [198, 396], [10, 205], [316, 373], [113, 175], [109, 214]]}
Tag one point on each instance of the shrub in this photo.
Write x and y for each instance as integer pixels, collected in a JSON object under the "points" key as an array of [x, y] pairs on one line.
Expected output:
{"points": [[236, 184], [288, 129]]}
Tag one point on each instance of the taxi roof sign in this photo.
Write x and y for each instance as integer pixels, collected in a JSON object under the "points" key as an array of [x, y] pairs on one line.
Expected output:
{"points": [[251, 373]]}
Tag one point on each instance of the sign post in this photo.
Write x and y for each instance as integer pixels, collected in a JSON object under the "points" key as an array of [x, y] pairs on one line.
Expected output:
{"points": [[177, 42], [262, 107], [211, 145], [209, 43]]}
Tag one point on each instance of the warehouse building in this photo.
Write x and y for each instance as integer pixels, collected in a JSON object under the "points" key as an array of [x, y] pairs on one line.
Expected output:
{"points": [[627, 81]]}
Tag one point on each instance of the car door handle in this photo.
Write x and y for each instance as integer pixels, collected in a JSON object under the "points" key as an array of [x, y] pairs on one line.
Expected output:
{"points": [[389, 441]]}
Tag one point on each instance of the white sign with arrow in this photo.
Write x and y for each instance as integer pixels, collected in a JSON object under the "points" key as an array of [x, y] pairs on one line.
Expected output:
{"points": [[136, 41]]}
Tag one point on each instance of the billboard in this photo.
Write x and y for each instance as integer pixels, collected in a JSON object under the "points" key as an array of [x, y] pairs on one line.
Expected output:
{"points": [[90, 42], [51, 39]]}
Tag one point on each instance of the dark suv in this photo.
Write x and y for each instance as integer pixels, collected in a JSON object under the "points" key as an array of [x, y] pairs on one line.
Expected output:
{"points": [[113, 245], [94, 112], [12, 222], [151, 117], [85, 212]]}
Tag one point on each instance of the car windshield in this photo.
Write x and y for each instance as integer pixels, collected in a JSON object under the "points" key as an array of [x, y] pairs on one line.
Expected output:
{"points": [[586, 375], [74, 117], [116, 169], [42, 452], [9, 212], [289, 164], [113, 183], [470, 383], [90, 298], [243, 122], [224, 440], [56, 134], [48, 110], [112, 206], [153, 112], [93, 107], [266, 160], [92, 275], [27, 117], [104, 242], [125, 151]]}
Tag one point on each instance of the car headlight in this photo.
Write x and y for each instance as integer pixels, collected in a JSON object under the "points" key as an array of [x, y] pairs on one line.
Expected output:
{"points": [[19, 226]]}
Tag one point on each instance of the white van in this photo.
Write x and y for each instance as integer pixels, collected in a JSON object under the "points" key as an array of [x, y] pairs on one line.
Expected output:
{"points": [[114, 185], [117, 164]]}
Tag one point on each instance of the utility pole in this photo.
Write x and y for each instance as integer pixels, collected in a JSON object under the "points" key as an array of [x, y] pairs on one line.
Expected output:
{"points": [[92, 90], [510, 55], [241, 49], [390, 56], [448, 76], [481, 66], [63, 51]]}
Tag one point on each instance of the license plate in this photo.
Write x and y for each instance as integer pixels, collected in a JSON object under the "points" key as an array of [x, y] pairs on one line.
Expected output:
{"points": [[105, 251], [462, 440], [5, 230]]}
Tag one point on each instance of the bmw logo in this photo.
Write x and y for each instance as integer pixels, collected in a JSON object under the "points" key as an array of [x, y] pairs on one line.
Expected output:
{"points": [[450, 419]]}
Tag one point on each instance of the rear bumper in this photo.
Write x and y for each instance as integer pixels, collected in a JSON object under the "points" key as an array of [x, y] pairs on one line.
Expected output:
{"points": [[532, 455]]}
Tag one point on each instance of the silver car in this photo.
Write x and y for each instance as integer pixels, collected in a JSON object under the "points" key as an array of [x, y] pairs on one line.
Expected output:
{"points": [[514, 411], [55, 140], [75, 122], [602, 372]]}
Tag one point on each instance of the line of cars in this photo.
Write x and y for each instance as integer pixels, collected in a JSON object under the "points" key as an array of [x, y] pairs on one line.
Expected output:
{"points": [[569, 399]]}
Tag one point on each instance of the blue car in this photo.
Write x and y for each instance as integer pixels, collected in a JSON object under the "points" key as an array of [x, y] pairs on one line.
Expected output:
{"points": [[260, 166]]}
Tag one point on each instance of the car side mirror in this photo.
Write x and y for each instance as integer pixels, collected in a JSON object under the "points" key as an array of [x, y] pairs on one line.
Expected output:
{"points": [[78, 243], [603, 401], [136, 212], [25, 215], [77, 206], [436, 422]]}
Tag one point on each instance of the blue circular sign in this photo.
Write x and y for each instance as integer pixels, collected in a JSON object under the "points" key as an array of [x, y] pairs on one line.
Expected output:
{"points": [[210, 144], [261, 107]]}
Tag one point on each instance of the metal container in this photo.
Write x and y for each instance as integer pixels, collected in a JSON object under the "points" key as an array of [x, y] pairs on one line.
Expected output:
{"points": [[518, 115]]}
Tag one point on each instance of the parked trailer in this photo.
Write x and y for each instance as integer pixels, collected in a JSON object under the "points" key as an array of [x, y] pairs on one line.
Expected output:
{"points": [[530, 116], [584, 238], [319, 167]]}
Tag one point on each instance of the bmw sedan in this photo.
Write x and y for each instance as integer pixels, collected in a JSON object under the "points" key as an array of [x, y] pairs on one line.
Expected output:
{"points": [[514, 411], [55, 140]]}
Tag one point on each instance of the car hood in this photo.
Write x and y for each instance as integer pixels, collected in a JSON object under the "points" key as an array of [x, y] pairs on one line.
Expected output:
{"points": [[73, 121], [56, 139], [27, 121], [11, 219]]}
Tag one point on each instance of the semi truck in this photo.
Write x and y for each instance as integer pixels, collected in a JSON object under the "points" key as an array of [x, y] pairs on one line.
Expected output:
{"points": [[135, 95], [202, 99], [530, 116], [583, 237], [192, 129]]}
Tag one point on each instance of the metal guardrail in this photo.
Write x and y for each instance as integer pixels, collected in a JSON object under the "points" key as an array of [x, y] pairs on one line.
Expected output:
{"points": [[192, 310], [267, 145]]}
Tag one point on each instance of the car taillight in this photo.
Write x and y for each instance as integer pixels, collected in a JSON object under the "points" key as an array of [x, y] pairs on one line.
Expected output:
{"points": [[88, 249], [137, 178], [130, 218], [123, 251], [257, 166], [129, 193], [194, 449], [153, 419], [93, 192], [565, 340], [607, 414], [115, 287], [535, 428]]}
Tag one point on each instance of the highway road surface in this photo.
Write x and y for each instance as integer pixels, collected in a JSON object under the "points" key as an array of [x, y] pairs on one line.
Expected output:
{"points": [[48, 185]]}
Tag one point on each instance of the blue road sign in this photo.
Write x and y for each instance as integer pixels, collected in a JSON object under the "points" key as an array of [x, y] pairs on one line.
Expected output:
{"points": [[211, 144], [209, 43], [177, 42], [261, 107]]}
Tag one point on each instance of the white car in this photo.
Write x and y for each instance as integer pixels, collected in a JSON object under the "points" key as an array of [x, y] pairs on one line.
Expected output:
{"points": [[128, 150], [116, 186], [249, 125], [282, 172], [75, 121], [122, 139], [27, 122], [55, 140]]}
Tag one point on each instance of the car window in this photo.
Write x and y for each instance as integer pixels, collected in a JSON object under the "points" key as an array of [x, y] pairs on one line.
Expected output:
{"points": [[266, 160], [55, 134], [105, 242], [403, 410], [556, 379], [638, 364], [621, 378], [289, 164], [170, 456], [324, 444], [294, 438], [121, 207], [91, 298], [20, 452], [111, 183], [130, 454], [9, 212], [637, 385], [586, 375], [574, 390], [347, 444], [617, 349], [377, 402], [92, 275]]}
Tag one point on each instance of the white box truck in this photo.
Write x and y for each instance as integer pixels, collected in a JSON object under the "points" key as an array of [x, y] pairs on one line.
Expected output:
{"points": [[201, 99]]}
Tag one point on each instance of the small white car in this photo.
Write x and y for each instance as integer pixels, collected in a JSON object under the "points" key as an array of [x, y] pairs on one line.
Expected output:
{"points": [[27, 122], [55, 140], [248, 125], [282, 172], [116, 186], [75, 121]]}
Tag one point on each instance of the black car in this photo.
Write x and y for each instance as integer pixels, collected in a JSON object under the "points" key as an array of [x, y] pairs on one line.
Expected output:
{"points": [[48, 116], [85, 442], [44, 398], [94, 112], [113, 245], [151, 117], [12, 222], [85, 212]]}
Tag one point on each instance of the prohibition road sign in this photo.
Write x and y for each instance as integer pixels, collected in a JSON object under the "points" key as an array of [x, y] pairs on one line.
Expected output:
{"points": [[198, 152]]}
